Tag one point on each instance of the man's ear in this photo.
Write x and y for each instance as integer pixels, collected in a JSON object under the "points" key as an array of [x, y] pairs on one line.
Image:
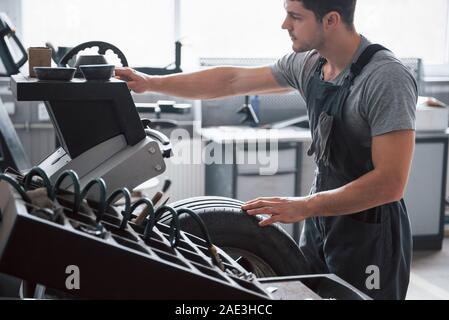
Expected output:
{"points": [[331, 20]]}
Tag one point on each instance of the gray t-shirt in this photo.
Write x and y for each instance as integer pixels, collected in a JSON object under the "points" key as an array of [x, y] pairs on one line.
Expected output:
{"points": [[382, 100]]}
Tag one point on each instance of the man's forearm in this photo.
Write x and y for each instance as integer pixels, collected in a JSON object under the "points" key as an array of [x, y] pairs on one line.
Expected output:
{"points": [[218, 82], [369, 191], [208, 84]]}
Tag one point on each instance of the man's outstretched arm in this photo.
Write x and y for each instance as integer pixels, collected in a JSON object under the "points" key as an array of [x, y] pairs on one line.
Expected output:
{"points": [[214, 83]]}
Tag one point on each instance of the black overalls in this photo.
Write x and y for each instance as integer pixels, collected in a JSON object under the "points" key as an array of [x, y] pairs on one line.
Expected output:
{"points": [[349, 246]]}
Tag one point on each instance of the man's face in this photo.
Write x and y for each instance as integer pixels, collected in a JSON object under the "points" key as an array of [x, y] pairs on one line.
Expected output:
{"points": [[305, 31]]}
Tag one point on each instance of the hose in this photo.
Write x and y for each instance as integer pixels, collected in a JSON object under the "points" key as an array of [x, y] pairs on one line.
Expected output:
{"points": [[102, 201], [174, 225], [36, 171], [212, 249], [114, 197], [149, 207], [76, 186], [16, 186]]}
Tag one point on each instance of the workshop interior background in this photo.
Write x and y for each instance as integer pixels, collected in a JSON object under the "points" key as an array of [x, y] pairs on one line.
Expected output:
{"points": [[249, 33]]}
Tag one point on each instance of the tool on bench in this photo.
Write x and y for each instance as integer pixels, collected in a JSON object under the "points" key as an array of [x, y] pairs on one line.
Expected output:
{"points": [[158, 196]]}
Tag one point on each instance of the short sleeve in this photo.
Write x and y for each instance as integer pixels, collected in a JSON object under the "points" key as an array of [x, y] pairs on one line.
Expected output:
{"points": [[390, 99], [292, 70]]}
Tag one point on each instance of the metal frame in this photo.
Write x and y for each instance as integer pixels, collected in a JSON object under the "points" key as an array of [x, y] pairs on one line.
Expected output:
{"points": [[435, 242], [298, 190], [320, 283]]}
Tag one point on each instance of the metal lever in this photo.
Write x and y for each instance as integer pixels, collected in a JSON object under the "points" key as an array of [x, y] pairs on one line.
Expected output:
{"points": [[159, 136], [166, 144]]}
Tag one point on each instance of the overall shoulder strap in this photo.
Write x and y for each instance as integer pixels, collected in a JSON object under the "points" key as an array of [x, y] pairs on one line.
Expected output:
{"points": [[365, 58], [321, 62]]}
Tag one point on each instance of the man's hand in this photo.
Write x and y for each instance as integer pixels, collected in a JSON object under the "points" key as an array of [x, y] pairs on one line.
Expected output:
{"points": [[284, 210], [137, 81], [392, 155]]}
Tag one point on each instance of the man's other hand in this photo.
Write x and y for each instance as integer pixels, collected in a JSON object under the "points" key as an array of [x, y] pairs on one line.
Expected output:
{"points": [[284, 210]]}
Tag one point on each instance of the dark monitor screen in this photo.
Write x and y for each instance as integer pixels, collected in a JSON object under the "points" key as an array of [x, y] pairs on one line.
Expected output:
{"points": [[84, 113], [84, 124]]}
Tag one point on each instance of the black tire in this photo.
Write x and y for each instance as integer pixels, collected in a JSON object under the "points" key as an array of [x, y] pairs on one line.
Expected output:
{"points": [[267, 252]]}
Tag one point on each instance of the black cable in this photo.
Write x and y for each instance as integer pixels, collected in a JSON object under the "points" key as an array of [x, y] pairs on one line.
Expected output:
{"points": [[212, 249], [174, 225], [149, 205], [102, 201], [36, 171], [114, 197], [76, 187], [200, 222], [16, 186]]}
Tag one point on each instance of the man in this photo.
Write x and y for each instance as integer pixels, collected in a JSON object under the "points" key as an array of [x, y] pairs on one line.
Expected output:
{"points": [[361, 104]]}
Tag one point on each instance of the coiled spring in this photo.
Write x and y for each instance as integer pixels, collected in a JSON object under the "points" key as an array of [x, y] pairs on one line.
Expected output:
{"points": [[52, 202]]}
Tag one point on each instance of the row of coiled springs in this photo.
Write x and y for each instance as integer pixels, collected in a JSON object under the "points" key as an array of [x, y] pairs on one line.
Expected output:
{"points": [[49, 202]]}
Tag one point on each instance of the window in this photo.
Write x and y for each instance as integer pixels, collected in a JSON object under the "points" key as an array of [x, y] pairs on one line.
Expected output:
{"points": [[252, 28], [145, 29], [409, 28], [142, 29], [235, 28]]}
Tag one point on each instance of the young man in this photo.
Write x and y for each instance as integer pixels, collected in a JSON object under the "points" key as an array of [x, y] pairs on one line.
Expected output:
{"points": [[361, 104]]}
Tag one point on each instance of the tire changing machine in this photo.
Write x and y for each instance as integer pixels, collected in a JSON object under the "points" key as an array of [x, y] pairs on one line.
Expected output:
{"points": [[102, 136]]}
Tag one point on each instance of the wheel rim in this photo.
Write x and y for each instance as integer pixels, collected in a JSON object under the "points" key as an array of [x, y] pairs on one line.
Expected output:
{"points": [[251, 262]]}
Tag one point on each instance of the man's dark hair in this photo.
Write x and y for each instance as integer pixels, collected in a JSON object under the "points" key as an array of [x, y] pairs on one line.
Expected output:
{"points": [[320, 8]]}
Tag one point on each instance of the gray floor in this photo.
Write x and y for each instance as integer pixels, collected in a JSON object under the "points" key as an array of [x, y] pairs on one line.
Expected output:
{"points": [[429, 279]]}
